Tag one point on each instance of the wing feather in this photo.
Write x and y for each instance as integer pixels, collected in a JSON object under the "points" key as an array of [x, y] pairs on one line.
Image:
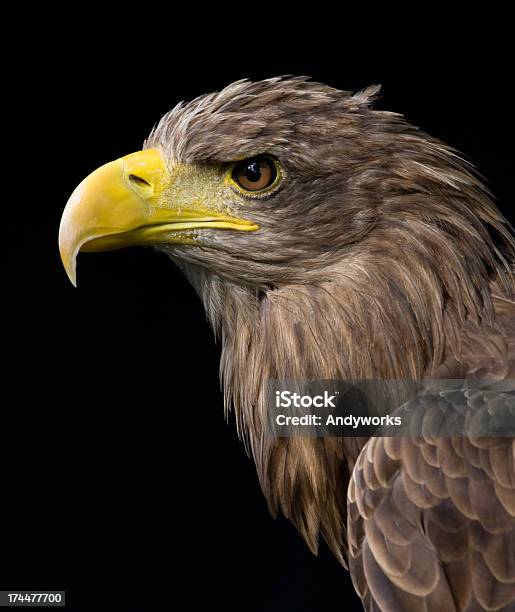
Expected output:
{"points": [[431, 519]]}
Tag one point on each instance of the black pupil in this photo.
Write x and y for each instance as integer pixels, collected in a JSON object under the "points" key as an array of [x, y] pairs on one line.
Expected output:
{"points": [[253, 171]]}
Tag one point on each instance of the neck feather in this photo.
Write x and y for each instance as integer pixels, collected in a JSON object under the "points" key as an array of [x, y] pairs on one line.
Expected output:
{"points": [[379, 313]]}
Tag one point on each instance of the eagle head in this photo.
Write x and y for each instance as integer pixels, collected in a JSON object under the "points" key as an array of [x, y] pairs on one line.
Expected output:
{"points": [[268, 183], [265, 183]]}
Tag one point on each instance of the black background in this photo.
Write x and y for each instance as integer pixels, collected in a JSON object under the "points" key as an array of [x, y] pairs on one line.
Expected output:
{"points": [[120, 478]]}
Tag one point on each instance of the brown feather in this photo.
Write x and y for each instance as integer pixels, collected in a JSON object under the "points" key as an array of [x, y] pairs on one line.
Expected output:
{"points": [[382, 256]]}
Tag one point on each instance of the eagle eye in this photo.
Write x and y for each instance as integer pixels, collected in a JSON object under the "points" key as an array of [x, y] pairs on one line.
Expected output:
{"points": [[255, 174]]}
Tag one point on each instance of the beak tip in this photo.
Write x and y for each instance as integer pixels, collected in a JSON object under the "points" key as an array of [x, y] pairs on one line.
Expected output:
{"points": [[71, 271], [72, 275], [68, 251], [69, 264]]}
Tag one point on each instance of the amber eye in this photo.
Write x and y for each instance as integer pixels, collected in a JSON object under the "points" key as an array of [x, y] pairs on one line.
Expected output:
{"points": [[255, 174]]}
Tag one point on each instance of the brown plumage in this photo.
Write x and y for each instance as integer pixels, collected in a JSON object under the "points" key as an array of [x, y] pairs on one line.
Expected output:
{"points": [[381, 255]]}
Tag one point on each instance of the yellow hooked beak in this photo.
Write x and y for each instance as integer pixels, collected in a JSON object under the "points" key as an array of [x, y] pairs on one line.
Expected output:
{"points": [[124, 203]]}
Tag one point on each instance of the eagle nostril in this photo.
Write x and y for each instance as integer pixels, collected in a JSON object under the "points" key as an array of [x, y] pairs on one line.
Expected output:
{"points": [[138, 180]]}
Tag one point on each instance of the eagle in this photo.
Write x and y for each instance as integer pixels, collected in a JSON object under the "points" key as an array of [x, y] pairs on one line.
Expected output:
{"points": [[329, 240]]}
